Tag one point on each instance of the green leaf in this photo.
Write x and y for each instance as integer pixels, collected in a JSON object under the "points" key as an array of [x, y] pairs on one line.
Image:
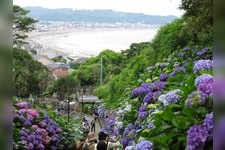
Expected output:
{"points": [[181, 122], [167, 115]]}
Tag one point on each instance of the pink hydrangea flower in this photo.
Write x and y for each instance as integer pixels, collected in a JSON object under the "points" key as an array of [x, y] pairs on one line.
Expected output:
{"points": [[23, 105], [32, 112]]}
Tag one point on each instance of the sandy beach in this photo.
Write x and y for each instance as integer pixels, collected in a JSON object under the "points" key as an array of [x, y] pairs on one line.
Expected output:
{"points": [[89, 42]]}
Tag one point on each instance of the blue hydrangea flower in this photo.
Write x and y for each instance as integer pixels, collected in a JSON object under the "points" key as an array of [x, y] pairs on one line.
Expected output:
{"points": [[203, 65], [203, 51], [180, 54], [151, 125], [130, 147], [144, 145], [150, 68], [170, 97]]}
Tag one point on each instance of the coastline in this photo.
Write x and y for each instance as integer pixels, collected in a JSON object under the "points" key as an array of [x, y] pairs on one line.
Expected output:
{"points": [[87, 42]]}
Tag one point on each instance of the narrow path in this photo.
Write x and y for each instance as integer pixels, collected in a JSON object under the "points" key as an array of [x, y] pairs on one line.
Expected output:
{"points": [[98, 125]]}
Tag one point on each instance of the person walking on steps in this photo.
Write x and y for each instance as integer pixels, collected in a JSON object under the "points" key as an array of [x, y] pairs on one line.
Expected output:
{"points": [[90, 142], [93, 125], [104, 143]]}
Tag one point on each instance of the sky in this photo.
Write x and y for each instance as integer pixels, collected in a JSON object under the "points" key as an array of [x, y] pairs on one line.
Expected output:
{"points": [[151, 7]]}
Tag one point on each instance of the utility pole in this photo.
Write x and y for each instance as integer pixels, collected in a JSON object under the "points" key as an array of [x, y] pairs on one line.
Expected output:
{"points": [[101, 72], [68, 99]]}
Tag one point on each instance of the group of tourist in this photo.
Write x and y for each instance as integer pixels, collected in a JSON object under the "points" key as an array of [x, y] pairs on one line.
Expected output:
{"points": [[91, 143]]}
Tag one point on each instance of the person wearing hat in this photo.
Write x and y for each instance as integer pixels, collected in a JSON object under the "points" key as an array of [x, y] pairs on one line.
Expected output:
{"points": [[104, 143], [90, 142]]}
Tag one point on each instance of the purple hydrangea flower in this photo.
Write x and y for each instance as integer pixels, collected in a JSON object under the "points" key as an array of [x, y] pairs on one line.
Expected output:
{"points": [[22, 105], [142, 114], [172, 74], [208, 125], [16, 116], [180, 69], [203, 65], [204, 83], [142, 89], [30, 146], [124, 142], [144, 145], [156, 95], [201, 78], [142, 108], [186, 48], [148, 97], [196, 138], [163, 77], [196, 98]]}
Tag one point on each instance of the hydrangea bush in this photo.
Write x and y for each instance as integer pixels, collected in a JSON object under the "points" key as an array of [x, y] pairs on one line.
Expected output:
{"points": [[34, 129], [171, 107]]}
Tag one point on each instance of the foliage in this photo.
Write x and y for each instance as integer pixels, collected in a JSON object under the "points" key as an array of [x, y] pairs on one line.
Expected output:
{"points": [[166, 120], [115, 88], [59, 59], [88, 74], [63, 87], [29, 75], [21, 25], [169, 38], [74, 65], [72, 130], [198, 21]]}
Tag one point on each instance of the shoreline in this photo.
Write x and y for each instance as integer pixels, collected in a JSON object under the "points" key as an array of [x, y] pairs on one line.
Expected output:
{"points": [[87, 42]]}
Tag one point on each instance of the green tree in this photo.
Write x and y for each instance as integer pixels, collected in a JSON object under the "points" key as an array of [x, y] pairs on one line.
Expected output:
{"points": [[29, 75], [198, 21], [63, 87], [21, 25], [169, 39]]}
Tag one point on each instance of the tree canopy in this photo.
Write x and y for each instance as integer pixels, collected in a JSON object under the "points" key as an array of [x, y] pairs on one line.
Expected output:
{"points": [[21, 25], [29, 75]]}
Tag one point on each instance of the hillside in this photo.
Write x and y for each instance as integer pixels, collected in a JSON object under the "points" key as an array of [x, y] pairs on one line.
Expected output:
{"points": [[98, 16]]}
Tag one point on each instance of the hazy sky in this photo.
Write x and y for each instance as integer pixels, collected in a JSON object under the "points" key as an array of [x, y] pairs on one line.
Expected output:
{"points": [[152, 7]]}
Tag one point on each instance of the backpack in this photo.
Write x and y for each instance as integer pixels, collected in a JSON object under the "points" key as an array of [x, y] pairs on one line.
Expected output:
{"points": [[88, 146], [103, 145]]}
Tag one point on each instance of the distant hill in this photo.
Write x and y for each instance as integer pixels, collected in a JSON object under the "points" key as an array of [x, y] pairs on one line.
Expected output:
{"points": [[98, 16]]}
